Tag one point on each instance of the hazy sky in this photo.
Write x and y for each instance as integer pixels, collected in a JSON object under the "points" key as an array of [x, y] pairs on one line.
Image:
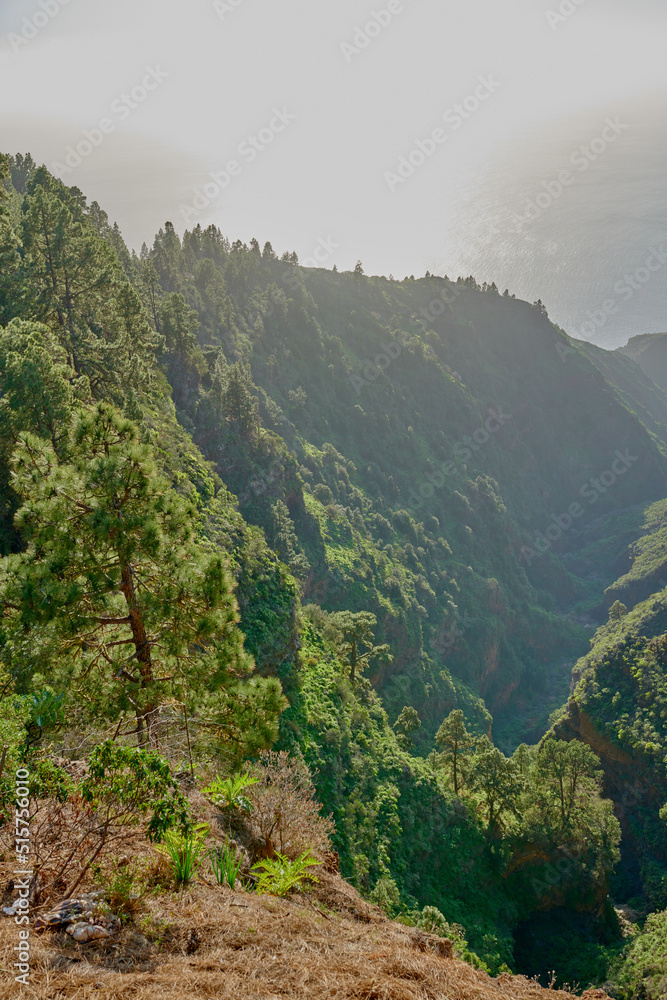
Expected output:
{"points": [[314, 127]]}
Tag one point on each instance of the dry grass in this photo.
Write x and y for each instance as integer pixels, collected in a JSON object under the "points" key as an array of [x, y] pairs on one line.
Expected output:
{"points": [[212, 942]]}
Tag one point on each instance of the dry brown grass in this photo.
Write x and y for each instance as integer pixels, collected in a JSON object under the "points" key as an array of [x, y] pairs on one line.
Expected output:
{"points": [[212, 942]]}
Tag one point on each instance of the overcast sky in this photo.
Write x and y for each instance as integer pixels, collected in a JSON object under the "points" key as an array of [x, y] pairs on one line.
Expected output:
{"points": [[332, 108]]}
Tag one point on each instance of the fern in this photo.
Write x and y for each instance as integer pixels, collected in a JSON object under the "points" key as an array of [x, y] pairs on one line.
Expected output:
{"points": [[227, 792], [277, 876]]}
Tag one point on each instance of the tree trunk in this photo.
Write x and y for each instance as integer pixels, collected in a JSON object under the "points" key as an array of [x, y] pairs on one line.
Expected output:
{"points": [[145, 714]]}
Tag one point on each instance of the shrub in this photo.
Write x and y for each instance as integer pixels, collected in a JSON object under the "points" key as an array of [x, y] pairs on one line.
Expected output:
{"points": [[432, 920], [227, 792], [124, 882], [323, 493], [386, 895], [226, 865], [644, 970], [279, 875], [126, 793], [182, 851], [285, 809]]}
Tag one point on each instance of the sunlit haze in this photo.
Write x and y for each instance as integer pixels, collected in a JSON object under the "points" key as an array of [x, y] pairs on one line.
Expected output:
{"points": [[350, 160]]}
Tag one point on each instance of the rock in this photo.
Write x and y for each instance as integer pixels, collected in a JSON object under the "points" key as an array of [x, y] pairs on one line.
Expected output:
{"points": [[87, 932], [85, 910]]}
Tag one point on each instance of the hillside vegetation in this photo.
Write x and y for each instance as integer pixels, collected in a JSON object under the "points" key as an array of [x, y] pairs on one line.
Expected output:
{"points": [[364, 525]]}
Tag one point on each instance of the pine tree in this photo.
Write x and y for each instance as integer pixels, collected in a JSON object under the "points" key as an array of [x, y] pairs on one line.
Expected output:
{"points": [[356, 644], [37, 387], [455, 742], [167, 254], [285, 541], [179, 324], [407, 723], [239, 403], [80, 292], [150, 284], [185, 362], [10, 289], [21, 167], [499, 781], [567, 778], [126, 605]]}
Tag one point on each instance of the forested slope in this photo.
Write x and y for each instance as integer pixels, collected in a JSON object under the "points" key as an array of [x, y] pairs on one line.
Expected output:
{"points": [[375, 518]]}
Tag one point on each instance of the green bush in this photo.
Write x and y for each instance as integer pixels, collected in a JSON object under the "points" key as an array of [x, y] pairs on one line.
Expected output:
{"points": [[183, 851], [226, 865], [277, 876], [643, 973], [228, 792]]}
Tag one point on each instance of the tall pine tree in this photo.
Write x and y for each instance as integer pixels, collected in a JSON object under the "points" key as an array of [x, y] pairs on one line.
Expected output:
{"points": [[128, 607]]}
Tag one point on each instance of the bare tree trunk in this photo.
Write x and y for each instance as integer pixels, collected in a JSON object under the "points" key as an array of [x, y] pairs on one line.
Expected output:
{"points": [[146, 714]]}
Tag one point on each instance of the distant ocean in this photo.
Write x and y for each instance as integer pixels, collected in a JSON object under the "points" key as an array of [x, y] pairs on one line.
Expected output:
{"points": [[577, 248]]}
